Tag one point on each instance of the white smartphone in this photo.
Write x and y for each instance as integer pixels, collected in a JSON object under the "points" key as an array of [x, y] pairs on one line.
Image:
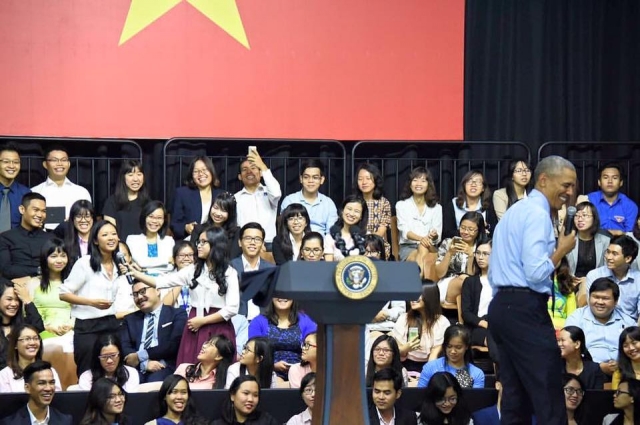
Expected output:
{"points": [[251, 148], [413, 333]]}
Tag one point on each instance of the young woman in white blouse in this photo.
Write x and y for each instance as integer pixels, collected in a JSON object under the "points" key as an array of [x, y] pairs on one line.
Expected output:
{"points": [[213, 289], [152, 249], [419, 216], [91, 289]]}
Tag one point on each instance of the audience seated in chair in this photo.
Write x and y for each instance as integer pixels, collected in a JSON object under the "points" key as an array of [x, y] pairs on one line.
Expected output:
{"points": [[386, 390], [258, 202], [20, 247], [628, 356], [40, 383], [477, 295], [444, 402], [151, 336], [308, 394], [624, 399], [175, 404], [517, 187], [152, 249], [602, 323], [369, 186], [107, 361], [242, 404], [322, 211], [255, 359], [76, 230], [9, 187], [57, 189], [214, 359], [342, 238], [105, 404], [588, 253], [578, 360], [223, 213], [308, 362], [122, 209], [384, 354], [293, 224]]}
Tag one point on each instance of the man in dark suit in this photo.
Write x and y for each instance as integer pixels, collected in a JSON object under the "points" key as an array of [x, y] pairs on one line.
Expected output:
{"points": [[387, 388], [40, 384], [251, 241], [151, 336]]}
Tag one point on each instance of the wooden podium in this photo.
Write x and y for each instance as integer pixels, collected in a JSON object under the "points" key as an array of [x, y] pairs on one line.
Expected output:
{"points": [[340, 382]]}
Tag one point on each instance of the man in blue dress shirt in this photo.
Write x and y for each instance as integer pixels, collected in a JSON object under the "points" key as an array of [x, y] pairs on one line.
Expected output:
{"points": [[523, 260]]}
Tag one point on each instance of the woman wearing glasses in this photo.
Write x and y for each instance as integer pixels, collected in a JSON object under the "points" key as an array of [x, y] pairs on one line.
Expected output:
{"points": [[25, 347], [444, 402], [624, 399], [312, 247], [573, 397], [152, 249], [75, 231], [308, 393], [107, 362], [214, 359], [385, 354], [105, 404], [284, 325], [476, 297], [192, 202], [517, 187], [308, 363], [213, 290], [293, 224], [455, 256], [474, 195], [183, 255], [256, 359]]}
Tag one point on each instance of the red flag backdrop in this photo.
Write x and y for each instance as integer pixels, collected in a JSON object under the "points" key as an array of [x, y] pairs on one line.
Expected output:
{"points": [[345, 69]]}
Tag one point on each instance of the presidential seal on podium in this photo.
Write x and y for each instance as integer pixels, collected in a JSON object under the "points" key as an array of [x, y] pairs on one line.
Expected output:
{"points": [[356, 277]]}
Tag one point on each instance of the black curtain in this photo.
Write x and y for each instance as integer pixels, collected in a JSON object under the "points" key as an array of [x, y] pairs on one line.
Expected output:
{"points": [[553, 70]]}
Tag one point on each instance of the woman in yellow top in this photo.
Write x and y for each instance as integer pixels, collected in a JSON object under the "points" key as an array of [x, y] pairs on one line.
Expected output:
{"points": [[564, 288], [628, 356], [54, 266]]}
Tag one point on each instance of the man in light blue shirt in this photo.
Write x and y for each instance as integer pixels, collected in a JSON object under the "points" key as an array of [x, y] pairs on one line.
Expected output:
{"points": [[524, 257], [322, 210], [602, 323], [619, 256]]}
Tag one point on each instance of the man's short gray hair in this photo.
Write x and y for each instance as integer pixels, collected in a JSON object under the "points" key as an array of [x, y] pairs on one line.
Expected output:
{"points": [[552, 166]]}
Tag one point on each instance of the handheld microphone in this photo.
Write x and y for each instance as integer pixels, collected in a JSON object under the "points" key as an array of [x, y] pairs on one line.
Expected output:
{"points": [[336, 234], [121, 260], [568, 223]]}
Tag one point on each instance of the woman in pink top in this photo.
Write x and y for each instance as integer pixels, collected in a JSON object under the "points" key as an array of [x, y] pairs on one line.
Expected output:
{"points": [[309, 361], [420, 331], [215, 357]]}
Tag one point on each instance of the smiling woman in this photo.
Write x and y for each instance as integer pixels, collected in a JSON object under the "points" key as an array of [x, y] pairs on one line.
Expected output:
{"points": [[242, 404], [176, 405], [105, 404]]}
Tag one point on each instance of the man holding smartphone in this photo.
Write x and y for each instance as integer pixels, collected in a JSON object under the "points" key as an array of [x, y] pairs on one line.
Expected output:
{"points": [[257, 202], [524, 258]]}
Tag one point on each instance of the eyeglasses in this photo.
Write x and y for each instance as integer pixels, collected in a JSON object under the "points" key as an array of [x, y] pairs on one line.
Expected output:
{"points": [[573, 391], [617, 393], [444, 400], [482, 254], [140, 293], [200, 171], [201, 242], [474, 183], [28, 339], [315, 251], [385, 351], [10, 162], [85, 217], [583, 215], [468, 229], [254, 239], [112, 397], [306, 345], [184, 256], [309, 390], [372, 253], [297, 218], [522, 171], [111, 356], [58, 160], [246, 348]]}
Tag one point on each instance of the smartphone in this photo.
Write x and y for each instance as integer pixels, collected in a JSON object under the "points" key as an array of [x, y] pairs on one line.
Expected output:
{"points": [[413, 333], [251, 148], [456, 239]]}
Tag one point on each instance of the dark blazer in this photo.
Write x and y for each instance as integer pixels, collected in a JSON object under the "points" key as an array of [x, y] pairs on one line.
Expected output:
{"points": [[236, 263], [170, 329], [471, 290], [278, 255], [592, 376], [487, 416], [21, 417], [449, 226], [187, 208], [403, 416]]}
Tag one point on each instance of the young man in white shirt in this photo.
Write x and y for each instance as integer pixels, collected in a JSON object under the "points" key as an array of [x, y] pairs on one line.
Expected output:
{"points": [[57, 189], [257, 202]]}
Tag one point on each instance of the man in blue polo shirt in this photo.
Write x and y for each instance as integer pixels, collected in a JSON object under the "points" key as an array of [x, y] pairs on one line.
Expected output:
{"points": [[617, 212]]}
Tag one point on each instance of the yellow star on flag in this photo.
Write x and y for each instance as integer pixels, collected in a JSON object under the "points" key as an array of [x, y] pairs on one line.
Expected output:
{"points": [[223, 13]]}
